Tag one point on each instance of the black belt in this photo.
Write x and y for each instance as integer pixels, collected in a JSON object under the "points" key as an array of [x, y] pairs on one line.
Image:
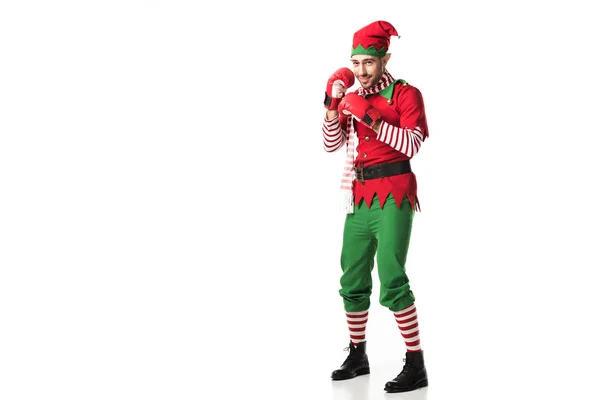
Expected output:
{"points": [[381, 170]]}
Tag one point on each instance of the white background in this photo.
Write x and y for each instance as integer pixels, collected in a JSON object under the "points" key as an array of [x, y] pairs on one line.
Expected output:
{"points": [[170, 225]]}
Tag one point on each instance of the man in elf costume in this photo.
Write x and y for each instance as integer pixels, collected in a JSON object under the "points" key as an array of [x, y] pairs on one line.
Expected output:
{"points": [[382, 125]]}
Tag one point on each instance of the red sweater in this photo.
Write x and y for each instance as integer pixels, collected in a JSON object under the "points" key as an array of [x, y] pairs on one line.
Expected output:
{"points": [[403, 114]]}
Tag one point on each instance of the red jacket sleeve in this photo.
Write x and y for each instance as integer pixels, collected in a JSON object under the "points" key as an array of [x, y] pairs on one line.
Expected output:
{"points": [[412, 109]]}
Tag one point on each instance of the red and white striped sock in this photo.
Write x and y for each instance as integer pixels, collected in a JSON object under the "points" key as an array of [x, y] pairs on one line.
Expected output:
{"points": [[357, 325], [409, 327]]}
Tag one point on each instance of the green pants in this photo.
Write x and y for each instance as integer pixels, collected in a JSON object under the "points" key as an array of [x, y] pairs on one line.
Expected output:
{"points": [[385, 233]]}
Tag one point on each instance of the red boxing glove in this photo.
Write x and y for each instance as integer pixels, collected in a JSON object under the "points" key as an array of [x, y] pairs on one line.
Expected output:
{"points": [[359, 108], [337, 84]]}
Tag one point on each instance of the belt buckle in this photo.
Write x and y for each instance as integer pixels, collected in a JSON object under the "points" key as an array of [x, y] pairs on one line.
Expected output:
{"points": [[359, 173]]}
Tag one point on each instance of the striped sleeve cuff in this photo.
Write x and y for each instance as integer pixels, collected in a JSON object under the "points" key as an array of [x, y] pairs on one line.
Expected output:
{"points": [[406, 141], [333, 136]]}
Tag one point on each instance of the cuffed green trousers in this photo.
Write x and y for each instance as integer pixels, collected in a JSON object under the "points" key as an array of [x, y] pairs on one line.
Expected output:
{"points": [[381, 234]]}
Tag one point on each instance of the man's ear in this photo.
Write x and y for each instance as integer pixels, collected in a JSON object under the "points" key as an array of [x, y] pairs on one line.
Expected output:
{"points": [[386, 58]]}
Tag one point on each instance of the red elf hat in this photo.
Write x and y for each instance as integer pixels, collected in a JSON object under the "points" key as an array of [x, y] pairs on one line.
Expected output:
{"points": [[373, 39]]}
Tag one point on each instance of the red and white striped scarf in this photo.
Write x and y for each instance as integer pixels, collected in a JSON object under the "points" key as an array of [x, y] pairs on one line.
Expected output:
{"points": [[349, 175]]}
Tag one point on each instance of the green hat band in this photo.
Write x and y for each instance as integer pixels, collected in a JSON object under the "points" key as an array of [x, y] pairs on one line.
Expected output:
{"points": [[370, 51]]}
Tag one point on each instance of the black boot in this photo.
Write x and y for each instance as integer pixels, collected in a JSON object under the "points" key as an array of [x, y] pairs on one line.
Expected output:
{"points": [[356, 363], [413, 375]]}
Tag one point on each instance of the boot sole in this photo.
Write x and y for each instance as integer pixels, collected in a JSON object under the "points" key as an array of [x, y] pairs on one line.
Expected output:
{"points": [[419, 385], [361, 371]]}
